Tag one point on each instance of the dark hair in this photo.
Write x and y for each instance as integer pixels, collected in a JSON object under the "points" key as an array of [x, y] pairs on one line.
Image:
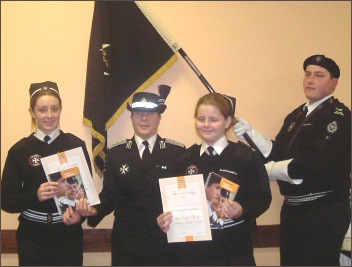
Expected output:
{"points": [[55, 176], [219, 101], [72, 180]]}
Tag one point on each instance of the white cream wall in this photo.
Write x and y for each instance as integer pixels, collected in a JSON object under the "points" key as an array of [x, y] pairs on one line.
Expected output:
{"points": [[251, 50]]}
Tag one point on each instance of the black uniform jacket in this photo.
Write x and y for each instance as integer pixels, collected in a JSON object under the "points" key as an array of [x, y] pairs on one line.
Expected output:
{"points": [[321, 150], [23, 172], [238, 163], [131, 190]]}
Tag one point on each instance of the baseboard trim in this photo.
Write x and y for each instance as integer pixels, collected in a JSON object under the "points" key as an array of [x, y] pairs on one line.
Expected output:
{"points": [[98, 240]]}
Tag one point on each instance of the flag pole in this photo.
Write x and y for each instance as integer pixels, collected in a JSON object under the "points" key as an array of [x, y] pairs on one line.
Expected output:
{"points": [[170, 40], [194, 68], [211, 90]]}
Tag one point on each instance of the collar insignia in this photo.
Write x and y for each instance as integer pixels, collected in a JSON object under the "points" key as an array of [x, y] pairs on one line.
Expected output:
{"points": [[162, 144], [129, 144]]}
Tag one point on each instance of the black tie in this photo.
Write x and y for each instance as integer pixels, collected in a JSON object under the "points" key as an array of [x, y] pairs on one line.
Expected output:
{"points": [[46, 139], [300, 117], [210, 150], [302, 114], [146, 152]]}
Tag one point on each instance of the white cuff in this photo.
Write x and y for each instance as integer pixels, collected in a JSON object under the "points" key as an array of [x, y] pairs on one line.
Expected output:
{"points": [[268, 167], [279, 171]]}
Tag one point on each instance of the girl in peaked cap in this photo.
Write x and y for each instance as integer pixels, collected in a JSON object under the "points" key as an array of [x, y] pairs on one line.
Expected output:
{"points": [[131, 187]]}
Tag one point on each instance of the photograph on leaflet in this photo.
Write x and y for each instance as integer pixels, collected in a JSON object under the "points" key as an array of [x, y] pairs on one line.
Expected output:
{"points": [[217, 190], [70, 170], [70, 188]]}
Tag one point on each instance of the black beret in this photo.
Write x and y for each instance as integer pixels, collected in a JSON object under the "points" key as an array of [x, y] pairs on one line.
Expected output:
{"points": [[55, 176], [324, 62], [72, 180], [36, 87]]}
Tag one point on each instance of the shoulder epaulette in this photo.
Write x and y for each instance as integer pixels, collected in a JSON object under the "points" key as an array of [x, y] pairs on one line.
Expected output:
{"points": [[339, 111], [124, 141], [173, 142]]}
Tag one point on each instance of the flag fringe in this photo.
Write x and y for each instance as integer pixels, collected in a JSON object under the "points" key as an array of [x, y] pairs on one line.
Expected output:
{"points": [[99, 149]]}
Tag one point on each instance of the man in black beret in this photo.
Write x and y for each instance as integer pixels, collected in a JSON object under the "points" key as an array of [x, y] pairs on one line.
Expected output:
{"points": [[324, 62], [311, 161]]}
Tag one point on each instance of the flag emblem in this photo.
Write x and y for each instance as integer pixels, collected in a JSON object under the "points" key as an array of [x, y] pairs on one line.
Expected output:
{"points": [[126, 55]]}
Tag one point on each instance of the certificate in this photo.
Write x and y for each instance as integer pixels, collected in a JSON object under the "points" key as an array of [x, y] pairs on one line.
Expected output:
{"points": [[185, 197], [70, 170]]}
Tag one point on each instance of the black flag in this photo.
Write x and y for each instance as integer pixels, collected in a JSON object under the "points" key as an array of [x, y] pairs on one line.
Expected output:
{"points": [[126, 55]]}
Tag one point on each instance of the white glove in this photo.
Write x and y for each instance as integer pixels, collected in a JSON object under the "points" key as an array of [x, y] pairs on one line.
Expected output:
{"points": [[279, 171], [263, 143], [268, 167]]}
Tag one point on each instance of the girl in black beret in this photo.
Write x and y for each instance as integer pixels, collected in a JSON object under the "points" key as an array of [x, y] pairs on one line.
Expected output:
{"points": [[231, 243], [42, 232]]}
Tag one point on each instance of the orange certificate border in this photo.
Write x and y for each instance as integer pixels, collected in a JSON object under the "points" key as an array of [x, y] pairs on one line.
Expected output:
{"points": [[181, 183]]}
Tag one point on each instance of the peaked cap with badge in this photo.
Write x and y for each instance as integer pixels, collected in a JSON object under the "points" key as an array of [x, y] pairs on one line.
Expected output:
{"points": [[150, 102], [37, 87], [324, 62]]}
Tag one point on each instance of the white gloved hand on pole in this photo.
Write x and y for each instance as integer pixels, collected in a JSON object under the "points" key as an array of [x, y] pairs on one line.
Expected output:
{"points": [[279, 171], [263, 143]]}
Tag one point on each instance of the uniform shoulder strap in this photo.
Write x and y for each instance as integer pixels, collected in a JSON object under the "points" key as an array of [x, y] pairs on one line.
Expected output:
{"points": [[122, 142], [173, 142]]}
